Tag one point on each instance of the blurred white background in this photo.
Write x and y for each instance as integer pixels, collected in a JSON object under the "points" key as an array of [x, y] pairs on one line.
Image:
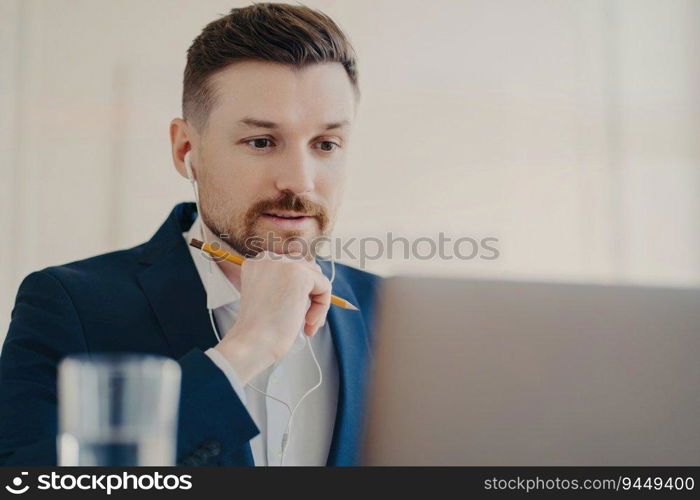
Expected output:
{"points": [[567, 129]]}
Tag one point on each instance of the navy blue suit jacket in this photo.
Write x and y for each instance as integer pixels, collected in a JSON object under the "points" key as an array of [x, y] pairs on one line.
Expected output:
{"points": [[150, 299]]}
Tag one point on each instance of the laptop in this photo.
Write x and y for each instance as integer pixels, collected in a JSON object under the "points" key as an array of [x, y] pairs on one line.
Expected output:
{"points": [[505, 373]]}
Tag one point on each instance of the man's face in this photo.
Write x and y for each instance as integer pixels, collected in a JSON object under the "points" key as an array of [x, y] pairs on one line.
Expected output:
{"points": [[270, 163]]}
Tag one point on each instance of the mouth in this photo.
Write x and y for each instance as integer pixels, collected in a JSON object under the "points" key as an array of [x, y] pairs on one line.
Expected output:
{"points": [[287, 219], [286, 215]]}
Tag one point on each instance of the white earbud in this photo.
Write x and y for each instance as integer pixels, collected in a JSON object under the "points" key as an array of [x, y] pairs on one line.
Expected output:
{"points": [[188, 167]]}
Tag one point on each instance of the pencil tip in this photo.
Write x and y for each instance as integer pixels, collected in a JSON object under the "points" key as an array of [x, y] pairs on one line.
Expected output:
{"points": [[196, 243], [348, 305]]}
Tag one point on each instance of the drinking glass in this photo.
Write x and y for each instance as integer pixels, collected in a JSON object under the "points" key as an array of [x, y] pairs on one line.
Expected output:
{"points": [[118, 409]]}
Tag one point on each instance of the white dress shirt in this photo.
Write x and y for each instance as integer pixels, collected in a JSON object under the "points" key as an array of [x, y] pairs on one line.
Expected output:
{"points": [[288, 379]]}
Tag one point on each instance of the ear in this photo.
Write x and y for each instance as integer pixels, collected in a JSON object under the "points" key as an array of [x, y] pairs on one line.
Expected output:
{"points": [[180, 143]]}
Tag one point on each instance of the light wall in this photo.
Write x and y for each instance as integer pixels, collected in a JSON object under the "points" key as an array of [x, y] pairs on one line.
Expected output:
{"points": [[566, 129]]}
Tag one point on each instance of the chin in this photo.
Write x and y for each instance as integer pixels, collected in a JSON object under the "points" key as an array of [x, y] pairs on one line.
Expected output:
{"points": [[278, 241]]}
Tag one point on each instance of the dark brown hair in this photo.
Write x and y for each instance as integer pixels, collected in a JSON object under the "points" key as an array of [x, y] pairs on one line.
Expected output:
{"points": [[277, 32]]}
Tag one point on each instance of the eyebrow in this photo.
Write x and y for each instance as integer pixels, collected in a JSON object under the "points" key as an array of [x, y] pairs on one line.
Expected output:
{"points": [[256, 122]]}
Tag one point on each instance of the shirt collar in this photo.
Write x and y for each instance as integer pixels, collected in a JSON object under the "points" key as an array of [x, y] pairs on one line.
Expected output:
{"points": [[219, 289]]}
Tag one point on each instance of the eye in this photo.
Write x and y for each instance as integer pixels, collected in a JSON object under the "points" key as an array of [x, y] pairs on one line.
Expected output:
{"points": [[259, 143], [328, 146]]}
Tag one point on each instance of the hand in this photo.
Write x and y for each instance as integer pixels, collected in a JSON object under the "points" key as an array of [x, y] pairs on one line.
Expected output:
{"points": [[280, 294]]}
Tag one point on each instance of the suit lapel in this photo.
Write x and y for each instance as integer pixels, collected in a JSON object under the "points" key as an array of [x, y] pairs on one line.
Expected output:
{"points": [[177, 297], [349, 334], [175, 292]]}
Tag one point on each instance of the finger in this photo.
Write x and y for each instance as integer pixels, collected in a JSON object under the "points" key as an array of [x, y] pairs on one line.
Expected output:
{"points": [[321, 290], [309, 326], [311, 264], [315, 317], [309, 330], [264, 255], [312, 329], [320, 301], [299, 258]]}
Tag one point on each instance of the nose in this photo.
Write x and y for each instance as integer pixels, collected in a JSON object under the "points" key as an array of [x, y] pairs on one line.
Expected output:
{"points": [[296, 174]]}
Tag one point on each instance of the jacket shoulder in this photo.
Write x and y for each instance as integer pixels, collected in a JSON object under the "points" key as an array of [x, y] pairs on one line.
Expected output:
{"points": [[118, 263]]}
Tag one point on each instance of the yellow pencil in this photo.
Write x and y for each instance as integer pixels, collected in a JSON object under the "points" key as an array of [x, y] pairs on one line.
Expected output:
{"points": [[236, 259]]}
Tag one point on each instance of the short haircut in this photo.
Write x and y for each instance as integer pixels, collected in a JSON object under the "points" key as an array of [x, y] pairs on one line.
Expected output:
{"points": [[289, 34]]}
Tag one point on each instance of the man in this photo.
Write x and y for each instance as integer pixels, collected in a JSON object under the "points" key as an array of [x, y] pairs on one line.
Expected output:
{"points": [[269, 99]]}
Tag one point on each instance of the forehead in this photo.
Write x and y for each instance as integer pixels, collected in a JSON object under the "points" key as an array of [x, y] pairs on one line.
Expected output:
{"points": [[277, 92]]}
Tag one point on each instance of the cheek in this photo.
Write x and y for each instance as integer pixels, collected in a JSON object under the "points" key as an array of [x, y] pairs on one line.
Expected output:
{"points": [[330, 185], [229, 196], [330, 179], [234, 181]]}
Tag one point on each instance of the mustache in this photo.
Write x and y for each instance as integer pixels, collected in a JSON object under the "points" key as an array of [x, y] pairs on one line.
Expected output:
{"points": [[290, 202]]}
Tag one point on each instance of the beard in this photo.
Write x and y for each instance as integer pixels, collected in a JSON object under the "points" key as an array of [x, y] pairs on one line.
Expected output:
{"points": [[241, 234]]}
